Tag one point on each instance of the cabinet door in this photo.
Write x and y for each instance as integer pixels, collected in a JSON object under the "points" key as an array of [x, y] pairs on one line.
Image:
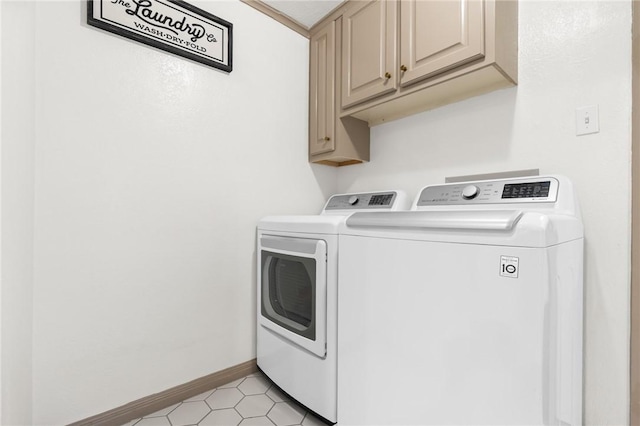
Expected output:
{"points": [[322, 91], [439, 35], [368, 50]]}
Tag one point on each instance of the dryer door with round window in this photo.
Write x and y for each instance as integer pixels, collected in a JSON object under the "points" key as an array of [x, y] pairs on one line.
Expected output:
{"points": [[292, 296]]}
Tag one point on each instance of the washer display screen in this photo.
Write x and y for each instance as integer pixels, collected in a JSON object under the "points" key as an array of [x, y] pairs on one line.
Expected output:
{"points": [[526, 190]]}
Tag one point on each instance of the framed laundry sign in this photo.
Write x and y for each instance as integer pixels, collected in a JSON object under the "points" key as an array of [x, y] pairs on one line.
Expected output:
{"points": [[171, 25]]}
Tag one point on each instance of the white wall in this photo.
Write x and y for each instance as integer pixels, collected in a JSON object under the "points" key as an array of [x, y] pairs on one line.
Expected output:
{"points": [[16, 193], [572, 54], [151, 172]]}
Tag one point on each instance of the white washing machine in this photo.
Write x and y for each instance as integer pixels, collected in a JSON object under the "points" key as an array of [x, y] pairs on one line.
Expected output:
{"points": [[465, 310], [297, 297]]}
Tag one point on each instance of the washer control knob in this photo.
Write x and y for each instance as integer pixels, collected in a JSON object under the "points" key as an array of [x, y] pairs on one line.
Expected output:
{"points": [[353, 200], [470, 192]]}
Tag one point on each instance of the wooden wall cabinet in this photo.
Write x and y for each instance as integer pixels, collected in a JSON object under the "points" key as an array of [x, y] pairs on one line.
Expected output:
{"points": [[333, 140], [368, 50], [434, 53], [393, 58], [438, 36]]}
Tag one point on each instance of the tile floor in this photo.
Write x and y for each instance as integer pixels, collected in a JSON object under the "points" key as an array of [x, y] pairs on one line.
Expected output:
{"points": [[250, 401]]}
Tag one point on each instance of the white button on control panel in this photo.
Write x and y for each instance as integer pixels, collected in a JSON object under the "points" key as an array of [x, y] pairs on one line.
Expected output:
{"points": [[470, 192]]}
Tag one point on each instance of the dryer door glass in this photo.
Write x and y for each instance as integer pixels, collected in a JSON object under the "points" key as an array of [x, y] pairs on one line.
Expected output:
{"points": [[292, 290], [289, 292]]}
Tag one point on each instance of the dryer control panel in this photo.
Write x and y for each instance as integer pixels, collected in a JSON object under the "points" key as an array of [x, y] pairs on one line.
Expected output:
{"points": [[363, 201], [504, 191]]}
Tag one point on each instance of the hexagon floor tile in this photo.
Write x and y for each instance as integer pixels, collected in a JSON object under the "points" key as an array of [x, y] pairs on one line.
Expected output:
{"points": [[250, 401]]}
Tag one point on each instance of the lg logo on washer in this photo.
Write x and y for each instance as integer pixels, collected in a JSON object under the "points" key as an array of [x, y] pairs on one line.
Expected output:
{"points": [[509, 266]]}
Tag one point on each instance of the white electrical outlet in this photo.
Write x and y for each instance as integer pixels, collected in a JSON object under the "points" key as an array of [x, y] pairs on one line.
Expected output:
{"points": [[587, 120]]}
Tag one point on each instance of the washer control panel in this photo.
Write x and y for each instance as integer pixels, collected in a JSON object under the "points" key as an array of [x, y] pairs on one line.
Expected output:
{"points": [[504, 191], [368, 201]]}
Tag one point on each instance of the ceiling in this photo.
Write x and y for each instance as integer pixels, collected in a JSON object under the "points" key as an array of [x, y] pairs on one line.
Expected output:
{"points": [[305, 12]]}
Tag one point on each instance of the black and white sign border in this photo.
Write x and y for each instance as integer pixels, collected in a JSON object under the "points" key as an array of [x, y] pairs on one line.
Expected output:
{"points": [[224, 65]]}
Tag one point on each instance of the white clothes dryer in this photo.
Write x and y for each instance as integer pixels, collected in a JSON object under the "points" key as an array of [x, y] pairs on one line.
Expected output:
{"points": [[297, 292], [465, 310]]}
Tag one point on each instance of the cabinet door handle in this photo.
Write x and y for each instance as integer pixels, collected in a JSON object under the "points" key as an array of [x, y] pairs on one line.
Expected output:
{"points": [[403, 68], [326, 138], [387, 75]]}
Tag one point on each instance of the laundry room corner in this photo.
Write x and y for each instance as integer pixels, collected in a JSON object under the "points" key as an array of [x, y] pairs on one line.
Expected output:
{"points": [[138, 191]]}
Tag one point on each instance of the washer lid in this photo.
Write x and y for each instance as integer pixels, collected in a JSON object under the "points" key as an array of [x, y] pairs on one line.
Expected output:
{"points": [[516, 228], [497, 220]]}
